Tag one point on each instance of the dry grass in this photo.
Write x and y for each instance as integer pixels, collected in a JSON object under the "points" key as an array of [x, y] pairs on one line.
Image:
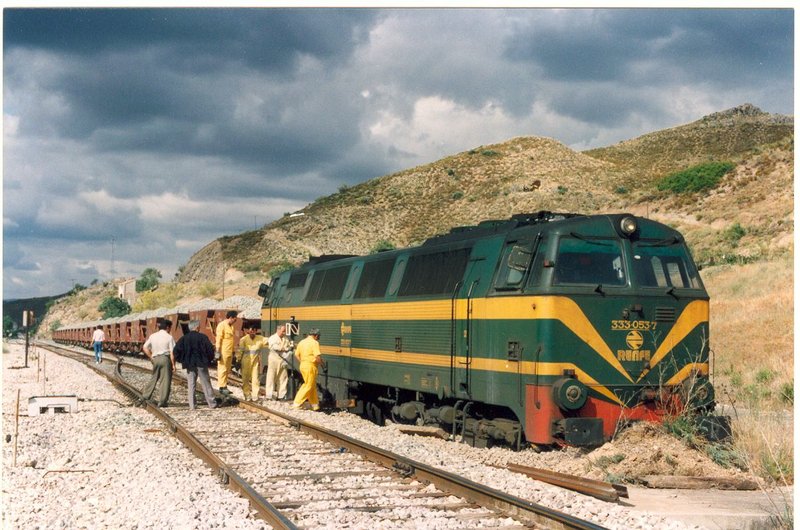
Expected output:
{"points": [[752, 312], [763, 439]]}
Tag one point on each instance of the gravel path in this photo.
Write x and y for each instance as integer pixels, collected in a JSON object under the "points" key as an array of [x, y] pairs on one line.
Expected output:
{"points": [[112, 466], [106, 466]]}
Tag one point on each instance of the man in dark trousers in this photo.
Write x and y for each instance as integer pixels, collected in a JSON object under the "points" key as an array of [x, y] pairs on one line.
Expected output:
{"points": [[195, 352]]}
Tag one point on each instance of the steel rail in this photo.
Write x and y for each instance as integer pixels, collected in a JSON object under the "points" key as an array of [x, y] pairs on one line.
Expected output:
{"points": [[517, 507], [530, 512], [227, 475], [595, 488]]}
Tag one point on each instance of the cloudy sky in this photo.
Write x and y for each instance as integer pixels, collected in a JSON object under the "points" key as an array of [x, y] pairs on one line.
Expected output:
{"points": [[144, 134]]}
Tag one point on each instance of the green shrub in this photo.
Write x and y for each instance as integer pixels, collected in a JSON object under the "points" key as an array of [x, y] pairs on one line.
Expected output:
{"points": [[765, 375], [726, 456], [9, 328], [490, 152], [605, 461], [112, 306], [787, 392], [457, 195], [696, 178], [280, 268], [382, 246], [755, 394], [683, 428], [734, 233], [148, 279]]}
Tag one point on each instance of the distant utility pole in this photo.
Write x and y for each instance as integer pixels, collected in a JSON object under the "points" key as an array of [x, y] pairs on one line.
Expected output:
{"points": [[255, 223], [27, 323], [112, 257]]}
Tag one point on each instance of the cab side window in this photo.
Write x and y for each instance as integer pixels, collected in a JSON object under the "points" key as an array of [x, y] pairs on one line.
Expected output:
{"points": [[514, 266]]}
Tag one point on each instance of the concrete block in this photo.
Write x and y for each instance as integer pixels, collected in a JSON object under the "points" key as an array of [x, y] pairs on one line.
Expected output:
{"points": [[38, 405]]}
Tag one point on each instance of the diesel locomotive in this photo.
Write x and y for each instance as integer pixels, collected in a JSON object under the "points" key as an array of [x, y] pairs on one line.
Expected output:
{"points": [[545, 328]]}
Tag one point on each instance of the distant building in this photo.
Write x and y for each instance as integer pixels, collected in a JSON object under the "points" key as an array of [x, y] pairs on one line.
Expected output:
{"points": [[126, 289]]}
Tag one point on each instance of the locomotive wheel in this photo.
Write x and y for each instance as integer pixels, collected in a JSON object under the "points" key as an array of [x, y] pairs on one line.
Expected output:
{"points": [[374, 413]]}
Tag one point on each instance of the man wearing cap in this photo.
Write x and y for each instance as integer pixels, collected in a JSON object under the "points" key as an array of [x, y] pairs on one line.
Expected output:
{"points": [[277, 372], [225, 341], [250, 347], [307, 352]]}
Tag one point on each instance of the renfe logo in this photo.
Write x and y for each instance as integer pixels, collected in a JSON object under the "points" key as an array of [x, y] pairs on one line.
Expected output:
{"points": [[634, 340]]}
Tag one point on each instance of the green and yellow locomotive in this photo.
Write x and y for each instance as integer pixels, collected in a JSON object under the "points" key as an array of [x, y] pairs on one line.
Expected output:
{"points": [[545, 328]]}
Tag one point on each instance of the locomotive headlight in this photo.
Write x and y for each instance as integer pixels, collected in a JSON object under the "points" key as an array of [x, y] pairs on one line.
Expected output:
{"points": [[628, 225]]}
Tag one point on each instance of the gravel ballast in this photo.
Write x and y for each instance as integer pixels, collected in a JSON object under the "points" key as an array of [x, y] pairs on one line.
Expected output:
{"points": [[110, 465]]}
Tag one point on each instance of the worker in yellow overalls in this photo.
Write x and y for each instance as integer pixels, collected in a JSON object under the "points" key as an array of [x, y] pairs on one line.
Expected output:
{"points": [[226, 338], [307, 352], [249, 355]]}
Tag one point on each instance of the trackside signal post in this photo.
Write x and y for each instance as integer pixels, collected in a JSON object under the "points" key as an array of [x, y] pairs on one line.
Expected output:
{"points": [[27, 322]]}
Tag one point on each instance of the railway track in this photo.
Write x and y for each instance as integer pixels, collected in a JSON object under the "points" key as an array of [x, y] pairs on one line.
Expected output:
{"points": [[296, 474]]}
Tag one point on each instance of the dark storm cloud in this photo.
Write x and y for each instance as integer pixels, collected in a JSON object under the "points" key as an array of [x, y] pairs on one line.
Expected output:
{"points": [[603, 45], [193, 39], [166, 80], [635, 49], [164, 129]]}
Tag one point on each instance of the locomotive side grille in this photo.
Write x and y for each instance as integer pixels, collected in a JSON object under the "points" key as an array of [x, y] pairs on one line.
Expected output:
{"points": [[665, 314]]}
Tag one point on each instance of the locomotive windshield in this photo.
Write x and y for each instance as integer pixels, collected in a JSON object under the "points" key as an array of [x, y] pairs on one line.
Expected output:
{"points": [[664, 265], [589, 261]]}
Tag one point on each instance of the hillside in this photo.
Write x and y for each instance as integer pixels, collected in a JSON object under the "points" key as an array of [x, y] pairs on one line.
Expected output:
{"points": [[520, 175], [528, 174], [14, 308]]}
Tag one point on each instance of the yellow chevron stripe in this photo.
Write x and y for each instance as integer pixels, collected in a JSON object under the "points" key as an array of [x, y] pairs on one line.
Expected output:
{"points": [[701, 368], [695, 314], [488, 365]]}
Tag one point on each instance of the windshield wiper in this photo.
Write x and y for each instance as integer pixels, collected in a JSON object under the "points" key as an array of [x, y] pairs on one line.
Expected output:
{"points": [[671, 291], [590, 241], [674, 240]]}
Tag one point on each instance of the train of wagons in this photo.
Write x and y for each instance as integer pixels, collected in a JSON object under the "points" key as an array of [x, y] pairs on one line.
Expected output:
{"points": [[127, 334], [545, 328]]}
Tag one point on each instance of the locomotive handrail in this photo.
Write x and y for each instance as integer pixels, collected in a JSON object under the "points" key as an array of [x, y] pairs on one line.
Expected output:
{"points": [[453, 337], [468, 347]]}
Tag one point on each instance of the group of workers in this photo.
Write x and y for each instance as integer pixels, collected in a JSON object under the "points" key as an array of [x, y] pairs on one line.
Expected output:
{"points": [[196, 354]]}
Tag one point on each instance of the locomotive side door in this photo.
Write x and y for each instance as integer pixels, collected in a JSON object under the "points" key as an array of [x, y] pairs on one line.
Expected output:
{"points": [[462, 325]]}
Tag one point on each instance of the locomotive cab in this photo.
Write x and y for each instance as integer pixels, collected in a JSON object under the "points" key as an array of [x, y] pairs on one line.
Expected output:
{"points": [[628, 329]]}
